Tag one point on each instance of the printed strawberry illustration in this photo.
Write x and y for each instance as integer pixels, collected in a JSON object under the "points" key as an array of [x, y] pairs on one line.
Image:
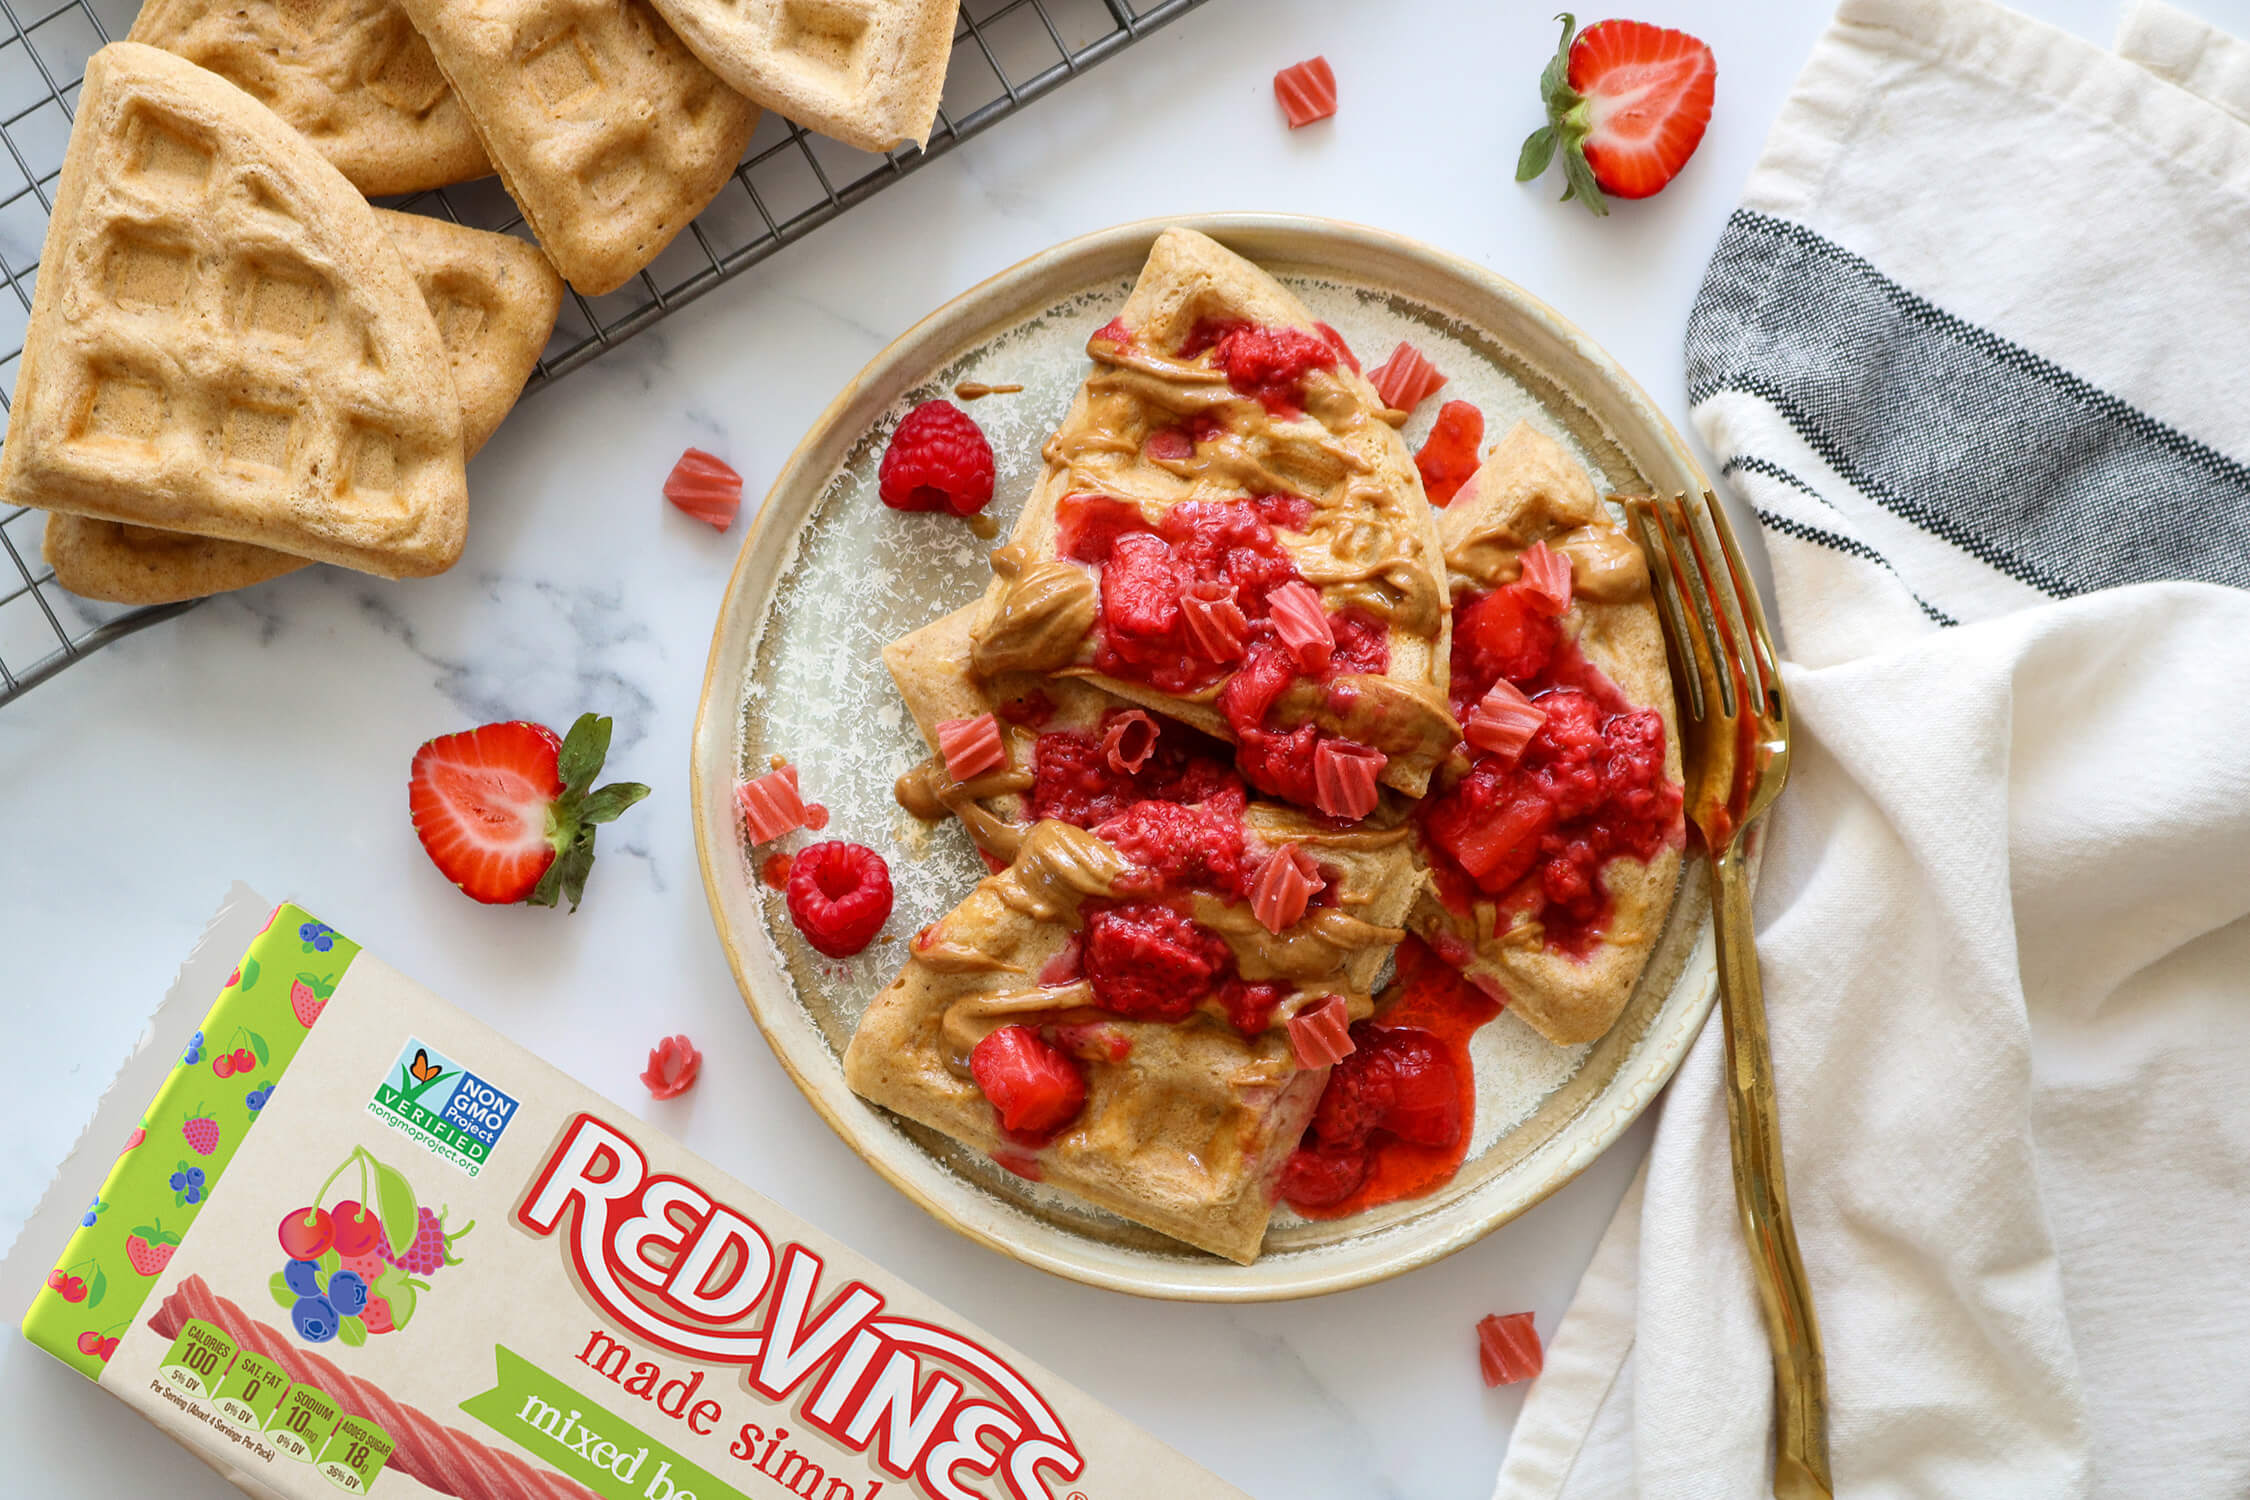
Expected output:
{"points": [[139, 1135], [150, 1248], [308, 996], [377, 1315], [201, 1132], [432, 1247]]}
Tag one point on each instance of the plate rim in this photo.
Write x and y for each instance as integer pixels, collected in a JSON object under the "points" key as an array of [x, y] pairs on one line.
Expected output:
{"points": [[718, 715]]}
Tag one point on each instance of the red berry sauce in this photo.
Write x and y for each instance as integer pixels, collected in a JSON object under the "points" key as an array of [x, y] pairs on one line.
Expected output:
{"points": [[1145, 636], [1449, 454], [1262, 361], [1395, 1119], [1589, 788], [774, 870]]}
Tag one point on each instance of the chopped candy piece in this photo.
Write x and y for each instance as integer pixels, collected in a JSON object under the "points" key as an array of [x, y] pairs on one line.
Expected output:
{"points": [[1406, 379], [1128, 741], [1307, 91], [1503, 721], [1285, 886], [770, 805], [672, 1067], [1321, 1033], [1508, 1349], [1449, 453], [971, 747], [706, 487], [1214, 619], [1303, 624], [1547, 574], [1344, 777]]}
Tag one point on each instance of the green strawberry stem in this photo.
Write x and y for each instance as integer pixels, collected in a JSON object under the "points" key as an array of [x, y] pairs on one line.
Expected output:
{"points": [[1570, 119], [572, 817]]}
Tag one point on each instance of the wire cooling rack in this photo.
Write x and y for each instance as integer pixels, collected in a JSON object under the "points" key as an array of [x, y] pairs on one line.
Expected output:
{"points": [[1006, 53]]}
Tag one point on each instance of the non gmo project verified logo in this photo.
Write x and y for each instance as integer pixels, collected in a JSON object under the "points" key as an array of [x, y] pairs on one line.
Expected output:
{"points": [[434, 1101]]}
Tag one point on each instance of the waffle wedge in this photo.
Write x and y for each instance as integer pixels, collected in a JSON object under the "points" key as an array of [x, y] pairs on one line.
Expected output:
{"points": [[494, 299], [606, 130], [223, 341], [353, 75], [867, 72]]}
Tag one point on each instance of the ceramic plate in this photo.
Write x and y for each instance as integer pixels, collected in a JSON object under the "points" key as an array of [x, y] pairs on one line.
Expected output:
{"points": [[828, 575]]}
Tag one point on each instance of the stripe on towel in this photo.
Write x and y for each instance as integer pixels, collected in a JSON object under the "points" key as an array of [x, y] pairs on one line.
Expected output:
{"points": [[1974, 439]]}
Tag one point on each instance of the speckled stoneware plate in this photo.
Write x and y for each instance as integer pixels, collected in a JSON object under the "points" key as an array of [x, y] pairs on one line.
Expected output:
{"points": [[828, 575]]}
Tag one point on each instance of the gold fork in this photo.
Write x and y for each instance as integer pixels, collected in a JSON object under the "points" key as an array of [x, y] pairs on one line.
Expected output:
{"points": [[1734, 745]]}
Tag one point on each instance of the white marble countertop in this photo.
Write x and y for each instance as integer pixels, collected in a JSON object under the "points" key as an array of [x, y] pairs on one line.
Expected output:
{"points": [[265, 737]]}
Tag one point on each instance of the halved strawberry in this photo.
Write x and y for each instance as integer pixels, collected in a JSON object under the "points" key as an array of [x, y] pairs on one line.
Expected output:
{"points": [[1626, 106], [505, 811]]}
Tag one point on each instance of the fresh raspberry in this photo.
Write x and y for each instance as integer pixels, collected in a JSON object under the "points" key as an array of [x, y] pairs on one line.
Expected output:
{"points": [[937, 460], [1035, 1086], [839, 896], [1323, 1179]]}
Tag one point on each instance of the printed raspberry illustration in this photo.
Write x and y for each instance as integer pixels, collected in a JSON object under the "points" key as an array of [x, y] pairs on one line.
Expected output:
{"points": [[937, 460], [202, 1133], [839, 896], [432, 1247]]}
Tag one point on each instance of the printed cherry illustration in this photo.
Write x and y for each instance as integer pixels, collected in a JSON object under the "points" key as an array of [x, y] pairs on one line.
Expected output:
{"points": [[306, 1233], [89, 1342], [357, 1229]]}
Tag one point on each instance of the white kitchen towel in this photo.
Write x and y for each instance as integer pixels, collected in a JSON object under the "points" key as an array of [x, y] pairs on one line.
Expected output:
{"points": [[1976, 353]]}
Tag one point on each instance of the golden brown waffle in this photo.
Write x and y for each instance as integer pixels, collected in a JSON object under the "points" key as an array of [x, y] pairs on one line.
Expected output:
{"points": [[1186, 1124], [1529, 490], [1370, 545], [223, 342], [607, 132], [353, 75], [868, 72], [494, 299]]}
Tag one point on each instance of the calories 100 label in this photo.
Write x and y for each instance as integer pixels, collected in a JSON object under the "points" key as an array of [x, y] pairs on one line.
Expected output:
{"points": [[302, 1422]]}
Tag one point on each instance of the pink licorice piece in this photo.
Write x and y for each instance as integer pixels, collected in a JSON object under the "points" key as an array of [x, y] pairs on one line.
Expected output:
{"points": [[1503, 721], [1406, 379], [771, 805], [1285, 886], [1321, 1033], [1302, 622], [1344, 778], [672, 1067], [1547, 572], [1508, 1348], [1129, 741], [1214, 619], [971, 747]]}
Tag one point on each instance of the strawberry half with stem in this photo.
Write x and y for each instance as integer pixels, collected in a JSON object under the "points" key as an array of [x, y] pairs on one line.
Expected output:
{"points": [[507, 812], [1626, 106]]}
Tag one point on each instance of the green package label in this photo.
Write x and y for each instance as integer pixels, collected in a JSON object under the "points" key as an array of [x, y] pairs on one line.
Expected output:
{"points": [[355, 1454], [197, 1360], [303, 1421], [171, 1165], [251, 1391], [565, 1431]]}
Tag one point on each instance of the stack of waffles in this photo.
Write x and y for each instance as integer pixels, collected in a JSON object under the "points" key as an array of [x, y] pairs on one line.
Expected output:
{"points": [[236, 366], [1240, 710]]}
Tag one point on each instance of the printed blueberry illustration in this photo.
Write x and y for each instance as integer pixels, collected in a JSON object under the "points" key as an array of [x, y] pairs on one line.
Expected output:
{"points": [[194, 1053], [93, 1211]]}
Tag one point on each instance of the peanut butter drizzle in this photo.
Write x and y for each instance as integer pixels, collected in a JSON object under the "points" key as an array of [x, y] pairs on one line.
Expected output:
{"points": [[1040, 619], [1058, 866], [1311, 952], [1401, 719], [968, 1020], [1605, 565], [929, 792], [977, 390]]}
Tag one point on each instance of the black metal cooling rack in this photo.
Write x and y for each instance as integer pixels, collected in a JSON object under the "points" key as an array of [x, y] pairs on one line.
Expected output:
{"points": [[1006, 53]]}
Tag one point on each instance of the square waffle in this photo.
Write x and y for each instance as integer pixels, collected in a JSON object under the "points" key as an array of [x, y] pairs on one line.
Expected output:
{"points": [[223, 342]]}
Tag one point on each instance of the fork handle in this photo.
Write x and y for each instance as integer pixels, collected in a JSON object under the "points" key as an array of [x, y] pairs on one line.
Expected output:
{"points": [[1800, 1372]]}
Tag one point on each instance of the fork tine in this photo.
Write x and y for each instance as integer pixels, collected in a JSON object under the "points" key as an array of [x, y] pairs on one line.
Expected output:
{"points": [[1695, 577], [1753, 611], [1671, 613]]}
